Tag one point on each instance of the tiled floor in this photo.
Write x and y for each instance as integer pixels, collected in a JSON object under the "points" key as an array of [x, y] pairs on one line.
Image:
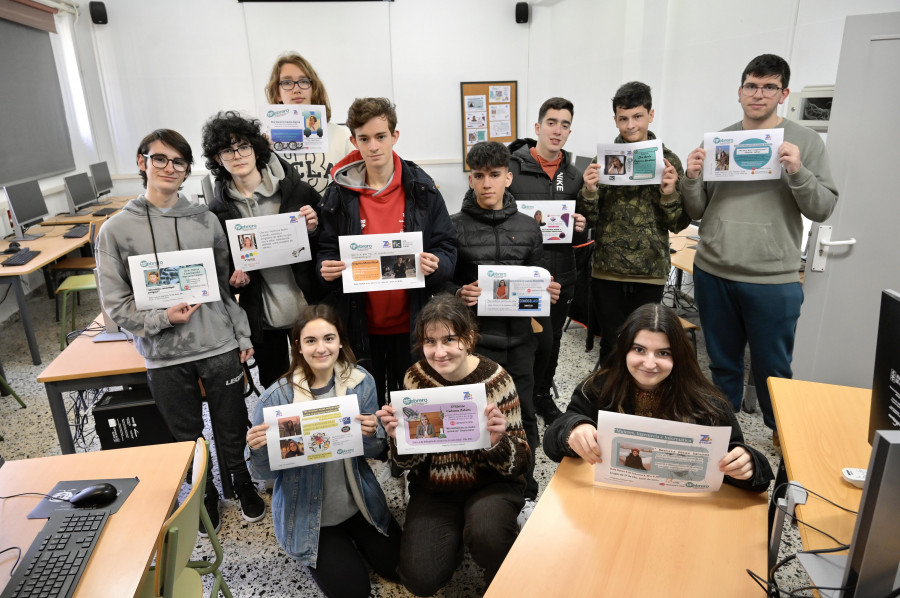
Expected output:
{"points": [[254, 563]]}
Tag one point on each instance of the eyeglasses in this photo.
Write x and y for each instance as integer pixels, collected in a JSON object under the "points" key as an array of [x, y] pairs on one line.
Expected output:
{"points": [[288, 85], [241, 150], [160, 161], [768, 91]]}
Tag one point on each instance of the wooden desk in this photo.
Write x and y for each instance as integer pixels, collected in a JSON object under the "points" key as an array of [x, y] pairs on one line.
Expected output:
{"points": [[683, 258], [126, 547], [65, 219], [52, 247], [823, 428], [587, 540], [85, 364]]}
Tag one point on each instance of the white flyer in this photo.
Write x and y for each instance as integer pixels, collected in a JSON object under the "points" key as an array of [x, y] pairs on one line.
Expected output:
{"points": [[519, 291], [645, 452], [554, 217], [638, 163], [267, 241], [296, 128], [381, 262], [313, 432], [440, 420], [187, 276], [742, 155], [474, 103]]}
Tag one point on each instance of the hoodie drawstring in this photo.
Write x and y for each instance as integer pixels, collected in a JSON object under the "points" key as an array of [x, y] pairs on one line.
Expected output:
{"points": [[153, 237]]}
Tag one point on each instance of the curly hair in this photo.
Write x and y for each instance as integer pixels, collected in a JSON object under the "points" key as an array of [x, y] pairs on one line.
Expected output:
{"points": [[319, 96], [173, 139], [224, 130], [362, 110], [488, 154]]}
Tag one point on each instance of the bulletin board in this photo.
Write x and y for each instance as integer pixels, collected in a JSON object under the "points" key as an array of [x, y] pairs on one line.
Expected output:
{"points": [[488, 113]]}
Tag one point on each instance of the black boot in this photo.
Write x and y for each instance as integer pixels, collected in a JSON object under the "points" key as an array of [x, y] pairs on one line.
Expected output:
{"points": [[546, 408]]}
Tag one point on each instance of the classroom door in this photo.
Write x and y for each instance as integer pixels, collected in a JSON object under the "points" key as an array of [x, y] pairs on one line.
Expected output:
{"points": [[837, 328]]}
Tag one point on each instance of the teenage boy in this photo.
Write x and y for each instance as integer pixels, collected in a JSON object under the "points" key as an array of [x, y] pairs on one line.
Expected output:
{"points": [[631, 261], [543, 171], [375, 192], [492, 231], [184, 343], [746, 279]]}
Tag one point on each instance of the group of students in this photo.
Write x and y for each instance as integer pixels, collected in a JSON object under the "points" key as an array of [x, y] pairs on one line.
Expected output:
{"points": [[308, 337]]}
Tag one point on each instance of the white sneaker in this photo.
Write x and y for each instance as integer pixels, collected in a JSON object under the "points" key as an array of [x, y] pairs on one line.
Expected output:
{"points": [[525, 513]]}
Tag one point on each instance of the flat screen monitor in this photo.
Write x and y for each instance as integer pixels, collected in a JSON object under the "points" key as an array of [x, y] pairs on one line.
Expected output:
{"points": [[79, 192], [102, 181], [27, 206], [885, 413]]}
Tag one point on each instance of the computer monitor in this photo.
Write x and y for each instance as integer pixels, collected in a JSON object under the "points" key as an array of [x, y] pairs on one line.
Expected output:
{"points": [[27, 206], [102, 181], [79, 193], [885, 411]]}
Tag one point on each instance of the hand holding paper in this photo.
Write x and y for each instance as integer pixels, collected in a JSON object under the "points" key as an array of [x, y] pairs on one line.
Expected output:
{"points": [[695, 163], [738, 463], [583, 440], [388, 420], [670, 177], [496, 422], [789, 156], [181, 313]]}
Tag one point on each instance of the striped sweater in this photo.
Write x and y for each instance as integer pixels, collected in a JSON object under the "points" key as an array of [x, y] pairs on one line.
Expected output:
{"points": [[469, 470]]}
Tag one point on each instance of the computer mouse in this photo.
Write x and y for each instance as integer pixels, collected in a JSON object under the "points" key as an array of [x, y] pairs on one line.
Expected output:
{"points": [[14, 247], [95, 496]]}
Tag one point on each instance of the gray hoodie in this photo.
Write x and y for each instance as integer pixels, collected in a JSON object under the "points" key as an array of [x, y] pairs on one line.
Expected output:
{"points": [[213, 329]]}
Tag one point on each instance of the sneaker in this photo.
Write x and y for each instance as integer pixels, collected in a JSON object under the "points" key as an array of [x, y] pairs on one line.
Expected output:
{"points": [[211, 502], [546, 408], [525, 513], [253, 508]]}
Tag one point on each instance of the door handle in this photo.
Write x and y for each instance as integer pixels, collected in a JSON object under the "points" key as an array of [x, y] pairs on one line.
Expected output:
{"points": [[820, 257]]}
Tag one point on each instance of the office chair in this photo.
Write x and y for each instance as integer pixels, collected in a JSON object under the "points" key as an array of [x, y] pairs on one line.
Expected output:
{"points": [[72, 284], [174, 574], [7, 389]]}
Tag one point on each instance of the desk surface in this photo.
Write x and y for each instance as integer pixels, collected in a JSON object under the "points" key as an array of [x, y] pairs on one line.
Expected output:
{"points": [[127, 545], [87, 359], [52, 247], [683, 258], [114, 202], [823, 428], [588, 540]]}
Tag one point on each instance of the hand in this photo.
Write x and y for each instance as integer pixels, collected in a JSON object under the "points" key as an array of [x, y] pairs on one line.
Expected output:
{"points": [[428, 262], [496, 422], [312, 219], [583, 440], [738, 464], [332, 269], [789, 156], [388, 420], [554, 288], [580, 222], [592, 177], [246, 354], [181, 313], [695, 163], [669, 178], [470, 293], [256, 436], [239, 279], [369, 423]]}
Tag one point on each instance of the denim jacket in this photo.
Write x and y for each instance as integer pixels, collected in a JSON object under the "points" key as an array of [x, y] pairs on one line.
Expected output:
{"points": [[297, 496]]}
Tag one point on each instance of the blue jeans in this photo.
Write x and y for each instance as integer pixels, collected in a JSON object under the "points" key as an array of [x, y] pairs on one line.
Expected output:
{"points": [[733, 314]]}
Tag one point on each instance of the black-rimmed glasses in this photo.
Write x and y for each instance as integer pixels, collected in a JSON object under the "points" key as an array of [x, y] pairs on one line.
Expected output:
{"points": [[768, 91], [162, 161], [288, 85], [242, 150]]}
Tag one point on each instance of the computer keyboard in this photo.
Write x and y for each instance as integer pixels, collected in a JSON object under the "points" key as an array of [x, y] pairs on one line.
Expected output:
{"points": [[104, 212], [56, 559], [22, 257], [77, 231]]}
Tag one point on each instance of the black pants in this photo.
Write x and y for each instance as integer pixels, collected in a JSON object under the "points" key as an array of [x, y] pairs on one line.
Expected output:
{"points": [[273, 357], [613, 303], [519, 364], [547, 354], [178, 398], [348, 549], [390, 359]]}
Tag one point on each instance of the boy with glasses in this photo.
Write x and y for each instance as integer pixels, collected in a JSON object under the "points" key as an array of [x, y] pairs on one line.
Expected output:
{"points": [[184, 343], [746, 279]]}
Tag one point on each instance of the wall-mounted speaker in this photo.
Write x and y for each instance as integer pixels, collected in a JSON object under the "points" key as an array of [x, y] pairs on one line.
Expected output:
{"points": [[521, 12], [98, 13]]}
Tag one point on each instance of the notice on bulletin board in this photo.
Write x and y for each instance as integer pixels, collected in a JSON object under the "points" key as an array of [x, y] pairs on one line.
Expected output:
{"points": [[488, 113]]}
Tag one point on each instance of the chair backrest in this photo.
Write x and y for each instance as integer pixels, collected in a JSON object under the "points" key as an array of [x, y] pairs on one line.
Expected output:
{"points": [[179, 533]]}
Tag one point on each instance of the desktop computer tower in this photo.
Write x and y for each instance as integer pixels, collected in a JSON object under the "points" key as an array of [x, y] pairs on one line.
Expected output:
{"points": [[128, 418]]}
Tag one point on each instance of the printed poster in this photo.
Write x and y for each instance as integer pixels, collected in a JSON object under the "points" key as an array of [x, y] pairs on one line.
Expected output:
{"points": [[267, 241], [313, 432], [742, 155], [645, 452], [440, 420], [474, 103], [296, 128], [518, 291], [381, 262], [499, 93], [187, 276], [555, 218], [638, 163]]}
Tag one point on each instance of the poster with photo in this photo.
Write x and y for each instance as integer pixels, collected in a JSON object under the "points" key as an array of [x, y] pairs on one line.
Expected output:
{"points": [[742, 155], [639, 163], [499, 112], [381, 262], [187, 276], [474, 103], [498, 93], [556, 218], [296, 128], [439, 420], [268, 241], [518, 291]]}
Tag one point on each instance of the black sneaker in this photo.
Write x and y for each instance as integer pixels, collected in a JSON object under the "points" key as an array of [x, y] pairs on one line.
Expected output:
{"points": [[211, 501], [253, 508], [546, 408]]}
